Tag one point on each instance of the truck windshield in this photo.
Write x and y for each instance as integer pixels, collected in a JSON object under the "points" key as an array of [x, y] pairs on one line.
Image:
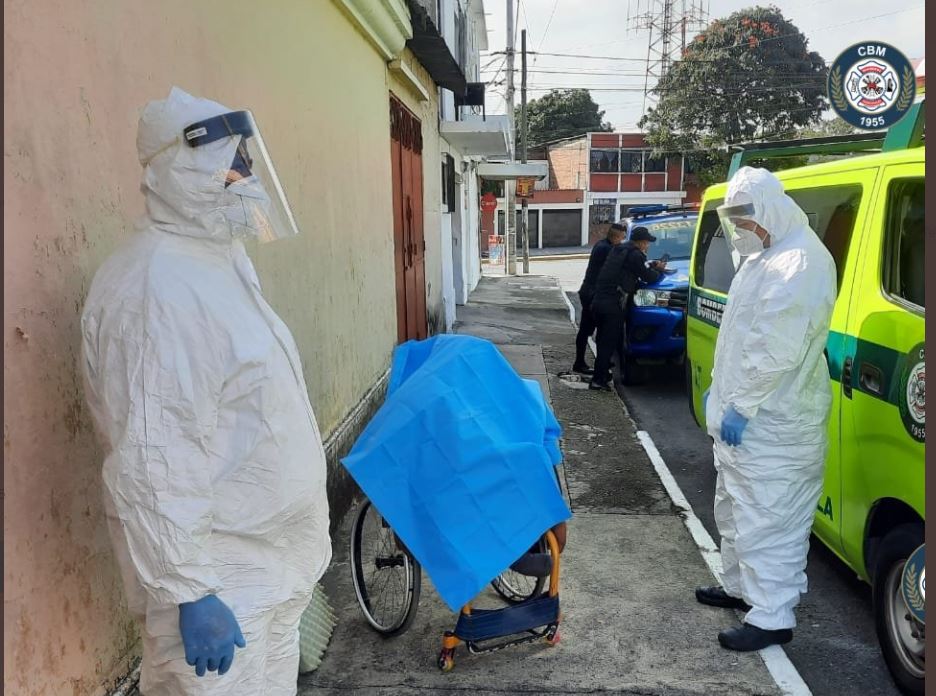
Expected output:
{"points": [[673, 237]]}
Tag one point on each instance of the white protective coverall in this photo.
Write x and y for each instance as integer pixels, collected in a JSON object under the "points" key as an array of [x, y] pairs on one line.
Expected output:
{"points": [[769, 365], [215, 472]]}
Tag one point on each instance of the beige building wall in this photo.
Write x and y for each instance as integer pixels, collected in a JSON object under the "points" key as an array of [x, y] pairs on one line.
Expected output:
{"points": [[77, 75]]}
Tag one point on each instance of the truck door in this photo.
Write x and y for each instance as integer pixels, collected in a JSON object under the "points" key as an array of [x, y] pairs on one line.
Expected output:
{"points": [[883, 378], [835, 205]]}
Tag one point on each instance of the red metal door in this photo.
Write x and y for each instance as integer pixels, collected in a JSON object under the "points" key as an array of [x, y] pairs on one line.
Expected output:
{"points": [[409, 241]]}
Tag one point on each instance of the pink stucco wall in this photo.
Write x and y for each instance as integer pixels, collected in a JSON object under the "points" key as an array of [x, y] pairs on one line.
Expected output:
{"points": [[76, 75], [69, 189]]}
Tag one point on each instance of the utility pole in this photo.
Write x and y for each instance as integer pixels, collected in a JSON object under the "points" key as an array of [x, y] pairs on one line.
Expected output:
{"points": [[510, 239], [668, 22], [525, 214]]}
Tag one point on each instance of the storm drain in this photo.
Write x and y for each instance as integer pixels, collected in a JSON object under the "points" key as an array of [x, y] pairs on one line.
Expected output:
{"points": [[573, 381]]}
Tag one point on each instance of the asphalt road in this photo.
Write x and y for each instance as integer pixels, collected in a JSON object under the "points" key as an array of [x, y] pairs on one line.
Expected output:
{"points": [[835, 646]]}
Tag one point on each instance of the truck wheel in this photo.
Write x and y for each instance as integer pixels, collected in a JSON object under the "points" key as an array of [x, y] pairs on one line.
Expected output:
{"points": [[633, 373], [902, 639]]}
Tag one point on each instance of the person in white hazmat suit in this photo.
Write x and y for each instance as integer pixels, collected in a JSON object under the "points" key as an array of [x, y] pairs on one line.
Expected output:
{"points": [[215, 472], [768, 408]]}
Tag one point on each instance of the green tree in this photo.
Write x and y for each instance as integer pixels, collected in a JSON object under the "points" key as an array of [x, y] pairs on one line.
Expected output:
{"points": [[824, 129], [561, 113], [748, 76]]}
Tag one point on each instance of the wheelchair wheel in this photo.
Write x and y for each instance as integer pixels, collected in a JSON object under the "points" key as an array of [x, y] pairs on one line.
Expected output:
{"points": [[516, 588], [387, 579]]}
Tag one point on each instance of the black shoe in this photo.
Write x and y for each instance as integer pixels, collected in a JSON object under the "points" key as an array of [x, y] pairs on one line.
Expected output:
{"points": [[717, 597], [600, 386], [747, 638], [582, 369]]}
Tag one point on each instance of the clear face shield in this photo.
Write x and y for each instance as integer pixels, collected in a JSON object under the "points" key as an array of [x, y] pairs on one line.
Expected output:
{"points": [[256, 204], [740, 228]]}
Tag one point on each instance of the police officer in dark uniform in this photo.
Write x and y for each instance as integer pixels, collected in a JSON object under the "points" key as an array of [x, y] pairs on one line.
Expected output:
{"points": [[597, 258], [614, 288]]}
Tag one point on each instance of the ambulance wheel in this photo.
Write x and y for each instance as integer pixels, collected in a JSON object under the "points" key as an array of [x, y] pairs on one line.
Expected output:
{"points": [[902, 639]]}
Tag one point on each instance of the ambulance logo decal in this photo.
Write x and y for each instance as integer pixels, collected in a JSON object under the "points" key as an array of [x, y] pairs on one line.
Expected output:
{"points": [[912, 394], [913, 584], [872, 85]]}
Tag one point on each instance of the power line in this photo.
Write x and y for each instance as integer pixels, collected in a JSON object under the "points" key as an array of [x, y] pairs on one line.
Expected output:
{"points": [[627, 88], [548, 24], [491, 62], [554, 70], [645, 60], [502, 66]]}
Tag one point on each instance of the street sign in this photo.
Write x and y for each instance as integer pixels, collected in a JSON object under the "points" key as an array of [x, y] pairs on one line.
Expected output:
{"points": [[525, 188]]}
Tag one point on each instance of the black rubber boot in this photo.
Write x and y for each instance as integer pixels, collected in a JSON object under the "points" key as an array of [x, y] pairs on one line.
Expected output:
{"points": [[595, 385], [582, 369], [747, 638], [717, 597]]}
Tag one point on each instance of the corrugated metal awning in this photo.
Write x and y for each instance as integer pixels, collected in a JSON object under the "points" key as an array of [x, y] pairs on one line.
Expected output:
{"points": [[433, 53]]}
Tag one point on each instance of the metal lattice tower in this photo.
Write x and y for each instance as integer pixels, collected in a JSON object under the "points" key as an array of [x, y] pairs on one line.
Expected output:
{"points": [[670, 23]]}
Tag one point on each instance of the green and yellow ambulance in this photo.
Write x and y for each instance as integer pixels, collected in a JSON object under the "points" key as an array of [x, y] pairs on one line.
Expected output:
{"points": [[868, 210]]}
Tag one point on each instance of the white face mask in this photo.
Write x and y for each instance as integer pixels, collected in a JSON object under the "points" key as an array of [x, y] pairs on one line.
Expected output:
{"points": [[746, 243], [247, 208]]}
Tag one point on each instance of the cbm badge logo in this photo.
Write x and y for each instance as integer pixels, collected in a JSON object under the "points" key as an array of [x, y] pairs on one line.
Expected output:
{"points": [[872, 85]]}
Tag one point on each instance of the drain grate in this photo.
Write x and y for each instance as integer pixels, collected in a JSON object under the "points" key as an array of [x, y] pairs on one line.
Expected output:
{"points": [[573, 380]]}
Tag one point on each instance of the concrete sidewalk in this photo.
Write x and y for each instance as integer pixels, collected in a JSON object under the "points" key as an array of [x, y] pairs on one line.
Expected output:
{"points": [[630, 622]]}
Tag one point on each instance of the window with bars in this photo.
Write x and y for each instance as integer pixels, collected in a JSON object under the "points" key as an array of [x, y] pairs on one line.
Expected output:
{"points": [[614, 161], [448, 183]]}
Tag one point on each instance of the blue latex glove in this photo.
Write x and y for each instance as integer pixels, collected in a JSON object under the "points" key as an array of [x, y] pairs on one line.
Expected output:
{"points": [[732, 427], [705, 400], [209, 634]]}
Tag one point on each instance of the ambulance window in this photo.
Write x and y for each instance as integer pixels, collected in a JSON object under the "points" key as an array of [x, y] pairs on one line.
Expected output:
{"points": [[831, 211], [715, 261], [904, 241]]}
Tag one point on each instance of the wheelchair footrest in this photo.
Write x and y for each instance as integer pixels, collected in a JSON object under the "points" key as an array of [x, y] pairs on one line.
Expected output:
{"points": [[484, 624]]}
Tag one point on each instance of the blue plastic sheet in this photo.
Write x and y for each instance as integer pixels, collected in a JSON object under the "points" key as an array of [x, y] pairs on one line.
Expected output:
{"points": [[460, 461]]}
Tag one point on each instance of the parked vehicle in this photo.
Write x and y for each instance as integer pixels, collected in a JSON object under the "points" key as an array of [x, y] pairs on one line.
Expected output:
{"points": [[869, 211], [656, 323]]}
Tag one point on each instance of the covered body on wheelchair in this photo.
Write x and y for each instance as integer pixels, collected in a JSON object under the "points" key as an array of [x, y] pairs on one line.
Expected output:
{"points": [[460, 461]]}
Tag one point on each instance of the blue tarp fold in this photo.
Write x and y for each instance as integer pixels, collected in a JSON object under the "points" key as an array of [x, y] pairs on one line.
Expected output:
{"points": [[460, 461]]}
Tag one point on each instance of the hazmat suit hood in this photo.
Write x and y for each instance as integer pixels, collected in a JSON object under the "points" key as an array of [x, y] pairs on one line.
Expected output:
{"points": [[775, 211], [183, 190]]}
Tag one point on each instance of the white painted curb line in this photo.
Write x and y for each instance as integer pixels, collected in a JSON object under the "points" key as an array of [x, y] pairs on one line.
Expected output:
{"points": [[568, 303], [774, 657]]}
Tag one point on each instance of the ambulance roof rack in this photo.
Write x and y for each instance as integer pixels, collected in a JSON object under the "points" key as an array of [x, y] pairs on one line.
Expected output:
{"points": [[639, 211], [906, 133]]}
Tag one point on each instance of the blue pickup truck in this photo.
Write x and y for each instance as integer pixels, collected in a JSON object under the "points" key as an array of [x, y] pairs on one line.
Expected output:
{"points": [[656, 323]]}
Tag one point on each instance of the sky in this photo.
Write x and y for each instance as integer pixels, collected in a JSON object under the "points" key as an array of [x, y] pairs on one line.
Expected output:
{"points": [[600, 28]]}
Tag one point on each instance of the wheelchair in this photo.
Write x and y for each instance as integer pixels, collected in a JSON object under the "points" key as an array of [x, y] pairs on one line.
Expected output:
{"points": [[387, 580]]}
